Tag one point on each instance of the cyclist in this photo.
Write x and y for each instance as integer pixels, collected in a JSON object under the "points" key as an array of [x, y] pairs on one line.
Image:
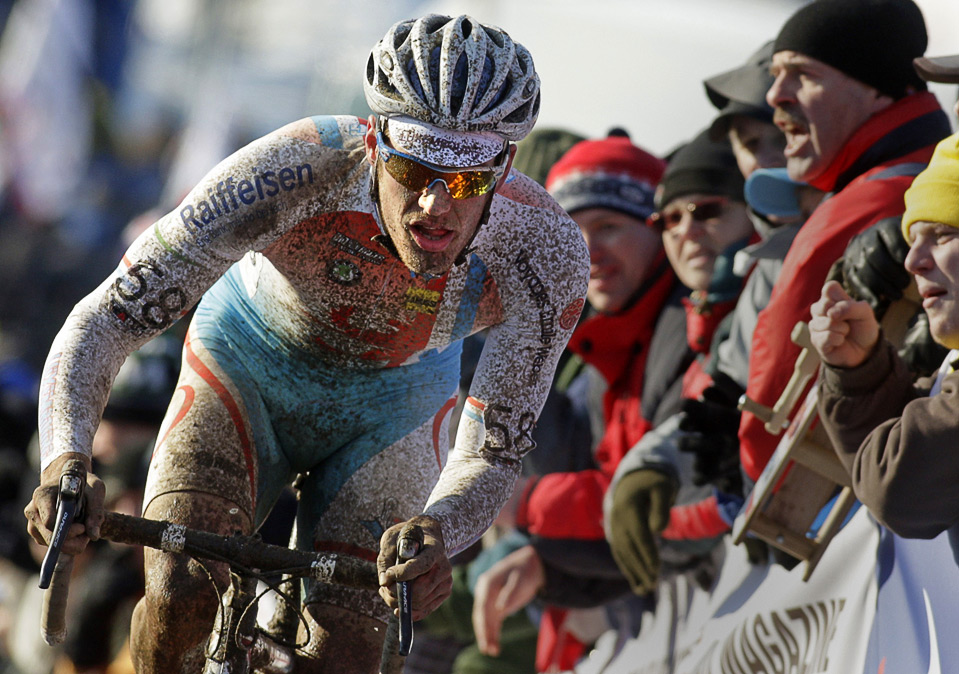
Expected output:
{"points": [[340, 262]]}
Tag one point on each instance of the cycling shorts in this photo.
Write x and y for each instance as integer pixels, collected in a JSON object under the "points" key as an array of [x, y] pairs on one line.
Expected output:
{"points": [[250, 414]]}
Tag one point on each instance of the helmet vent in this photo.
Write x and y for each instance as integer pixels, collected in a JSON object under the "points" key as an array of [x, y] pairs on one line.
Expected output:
{"points": [[436, 55], [399, 37], [496, 37], [520, 113], [503, 93], [486, 77], [434, 23], [460, 77], [414, 79]]}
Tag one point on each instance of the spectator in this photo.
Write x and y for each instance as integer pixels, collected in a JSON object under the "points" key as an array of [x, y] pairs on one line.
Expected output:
{"points": [[608, 187], [944, 69], [859, 125], [541, 149], [708, 426], [746, 119], [898, 441], [568, 563]]}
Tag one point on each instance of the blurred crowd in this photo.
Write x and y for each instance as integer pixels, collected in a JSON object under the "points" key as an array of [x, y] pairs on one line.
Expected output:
{"points": [[702, 262]]}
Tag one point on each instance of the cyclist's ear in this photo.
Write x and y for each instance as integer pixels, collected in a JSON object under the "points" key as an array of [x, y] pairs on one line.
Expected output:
{"points": [[369, 140]]}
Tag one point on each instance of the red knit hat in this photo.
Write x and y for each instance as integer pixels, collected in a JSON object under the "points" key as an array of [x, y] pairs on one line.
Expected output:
{"points": [[609, 173]]}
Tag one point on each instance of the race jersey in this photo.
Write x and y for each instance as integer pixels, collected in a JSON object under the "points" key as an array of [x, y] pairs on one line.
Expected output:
{"points": [[293, 211]]}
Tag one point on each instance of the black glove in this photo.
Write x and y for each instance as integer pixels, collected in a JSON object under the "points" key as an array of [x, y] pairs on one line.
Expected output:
{"points": [[641, 504], [873, 268], [921, 353], [710, 428]]}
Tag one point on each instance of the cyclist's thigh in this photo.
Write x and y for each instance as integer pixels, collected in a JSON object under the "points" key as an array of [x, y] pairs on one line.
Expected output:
{"points": [[215, 437], [349, 514]]}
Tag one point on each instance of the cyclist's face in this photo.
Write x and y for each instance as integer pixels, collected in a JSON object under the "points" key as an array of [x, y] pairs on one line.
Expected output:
{"points": [[429, 228]]}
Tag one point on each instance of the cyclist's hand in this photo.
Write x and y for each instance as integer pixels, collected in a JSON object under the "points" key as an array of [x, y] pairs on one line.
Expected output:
{"points": [[430, 570], [42, 510], [503, 589]]}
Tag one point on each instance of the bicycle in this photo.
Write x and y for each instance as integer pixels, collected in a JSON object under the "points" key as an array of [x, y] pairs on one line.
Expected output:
{"points": [[237, 644]]}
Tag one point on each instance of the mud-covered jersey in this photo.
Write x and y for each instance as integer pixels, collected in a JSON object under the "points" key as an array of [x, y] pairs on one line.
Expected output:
{"points": [[293, 210]]}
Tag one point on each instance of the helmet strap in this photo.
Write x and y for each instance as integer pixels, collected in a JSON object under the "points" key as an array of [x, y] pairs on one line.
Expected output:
{"points": [[383, 238]]}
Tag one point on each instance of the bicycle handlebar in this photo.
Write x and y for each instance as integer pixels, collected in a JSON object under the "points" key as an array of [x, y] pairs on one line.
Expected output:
{"points": [[68, 510], [245, 551]]}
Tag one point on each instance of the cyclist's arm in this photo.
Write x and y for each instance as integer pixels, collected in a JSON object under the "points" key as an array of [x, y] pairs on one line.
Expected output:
{"points": [[162, 275], [541, 274]]}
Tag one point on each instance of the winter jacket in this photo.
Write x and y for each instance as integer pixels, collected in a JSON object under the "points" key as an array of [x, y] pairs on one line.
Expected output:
{"points": [[899, 444], [864, 184]]}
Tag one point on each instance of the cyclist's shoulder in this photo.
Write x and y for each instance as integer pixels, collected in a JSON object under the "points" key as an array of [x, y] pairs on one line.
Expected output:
{"points": [[528, 218], [330, 134], [522, 192]]}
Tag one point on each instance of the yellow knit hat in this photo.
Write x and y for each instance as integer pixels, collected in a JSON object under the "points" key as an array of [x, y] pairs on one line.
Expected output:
{"points": [[934, 194]]}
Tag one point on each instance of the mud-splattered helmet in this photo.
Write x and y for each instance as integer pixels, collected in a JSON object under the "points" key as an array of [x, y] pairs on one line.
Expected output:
{"points": [[454, 73]]}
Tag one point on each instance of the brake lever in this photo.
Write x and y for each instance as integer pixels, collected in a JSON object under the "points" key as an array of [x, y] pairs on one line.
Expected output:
{"points": [[69, 510], [407, 547]]}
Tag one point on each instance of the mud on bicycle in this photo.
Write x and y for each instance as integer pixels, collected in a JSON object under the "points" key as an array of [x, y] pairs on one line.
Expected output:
{"points": [[237, 644]]}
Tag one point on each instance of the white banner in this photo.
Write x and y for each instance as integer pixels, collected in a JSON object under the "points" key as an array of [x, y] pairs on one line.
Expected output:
{"points": [[916, 629], [876, 604]]}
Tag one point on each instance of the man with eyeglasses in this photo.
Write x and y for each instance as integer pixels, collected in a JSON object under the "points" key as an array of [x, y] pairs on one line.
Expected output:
{"points": [[703, 221], [645, 332], [338, 265]]}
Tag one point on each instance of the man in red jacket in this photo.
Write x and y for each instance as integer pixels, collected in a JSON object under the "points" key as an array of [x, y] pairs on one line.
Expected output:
{"points": [[859, 125]]}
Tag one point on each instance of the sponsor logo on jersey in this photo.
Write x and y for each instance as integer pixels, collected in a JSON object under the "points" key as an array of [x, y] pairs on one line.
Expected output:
{"points": [[422, 300], [344, 272], [567, 320], [547, 317], [356, 249], [229, 194]]}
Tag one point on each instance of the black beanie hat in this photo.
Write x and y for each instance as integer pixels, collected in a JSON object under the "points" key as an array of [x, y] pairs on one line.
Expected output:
{"points": [[702, 166], [873, 41]]}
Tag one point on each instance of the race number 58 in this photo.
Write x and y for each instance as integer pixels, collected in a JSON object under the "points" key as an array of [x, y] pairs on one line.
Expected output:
{"points": [[499, 437]]}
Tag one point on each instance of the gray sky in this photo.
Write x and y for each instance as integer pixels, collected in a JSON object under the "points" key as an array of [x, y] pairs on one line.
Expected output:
{"points": [[243, 67]]}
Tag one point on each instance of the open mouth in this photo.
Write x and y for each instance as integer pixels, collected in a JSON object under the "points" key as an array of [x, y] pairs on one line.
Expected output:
{"points": [[796, 137], [431, 239], [796, 132]]}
